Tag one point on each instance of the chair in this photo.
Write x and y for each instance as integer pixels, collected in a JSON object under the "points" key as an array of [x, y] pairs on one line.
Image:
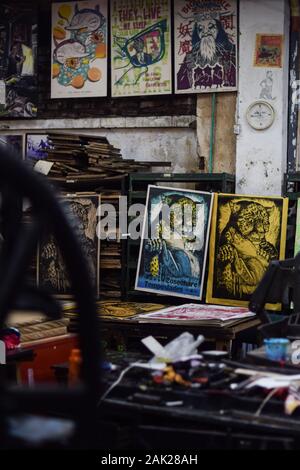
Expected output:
{"points": [[20, 408]]}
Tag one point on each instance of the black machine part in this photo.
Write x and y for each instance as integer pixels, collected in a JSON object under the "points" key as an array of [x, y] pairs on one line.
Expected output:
{"points": [[280, 284], [19, 182]]}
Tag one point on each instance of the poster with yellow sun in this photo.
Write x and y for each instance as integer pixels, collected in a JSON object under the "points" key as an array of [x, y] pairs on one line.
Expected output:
{"points": [[79, 49]]}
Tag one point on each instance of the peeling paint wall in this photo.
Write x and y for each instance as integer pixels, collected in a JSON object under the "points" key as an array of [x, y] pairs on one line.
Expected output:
{"points": [[178, 146], [261, 155], [164, 138]]}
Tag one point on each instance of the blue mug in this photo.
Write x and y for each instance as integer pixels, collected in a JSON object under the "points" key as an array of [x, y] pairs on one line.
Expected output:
{"points": [[276, 348]]}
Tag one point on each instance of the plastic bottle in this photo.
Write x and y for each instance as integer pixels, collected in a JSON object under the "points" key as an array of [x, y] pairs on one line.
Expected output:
{"points": [[75, 366]]}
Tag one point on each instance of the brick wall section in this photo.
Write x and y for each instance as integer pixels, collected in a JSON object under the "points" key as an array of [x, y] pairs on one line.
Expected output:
{"points": [[170, 105]]}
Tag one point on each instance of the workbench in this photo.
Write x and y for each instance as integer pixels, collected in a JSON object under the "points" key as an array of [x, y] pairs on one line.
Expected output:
{"points": [[213, 418], [126, 334]]}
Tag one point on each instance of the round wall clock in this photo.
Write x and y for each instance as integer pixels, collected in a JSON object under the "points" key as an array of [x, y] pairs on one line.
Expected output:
{"points": [[260, 115]]}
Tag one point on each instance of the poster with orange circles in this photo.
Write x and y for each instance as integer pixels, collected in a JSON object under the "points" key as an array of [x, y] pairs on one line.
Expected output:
{"points": [[79, 49]]}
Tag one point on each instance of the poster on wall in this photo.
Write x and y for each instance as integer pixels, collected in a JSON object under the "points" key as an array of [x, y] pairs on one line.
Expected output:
{"points": [[79, 49], [205, 41], [268, 50], [141, 47], [247, 233], [18, 60], [52, 274], [174, 242], [36, 146], [14, 142]]}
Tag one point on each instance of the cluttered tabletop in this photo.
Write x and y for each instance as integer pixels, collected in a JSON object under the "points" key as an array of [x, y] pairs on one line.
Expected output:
{"points": [[179, 385]]}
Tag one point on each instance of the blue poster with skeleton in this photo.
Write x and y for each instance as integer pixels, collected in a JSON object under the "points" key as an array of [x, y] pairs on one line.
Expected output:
{"points": [[174, 242], [205, 39]]}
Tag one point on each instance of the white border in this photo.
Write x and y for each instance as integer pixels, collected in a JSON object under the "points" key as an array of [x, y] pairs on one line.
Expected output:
{"points": [[165, 292], [170, 57], [57, 91], [177, 64]]}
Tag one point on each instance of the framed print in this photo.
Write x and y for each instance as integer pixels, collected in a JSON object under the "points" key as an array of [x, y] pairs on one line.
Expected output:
{"points": [[51, 271], [36, 146], [268, 50], [14, 141], [18, 60], [205, 41], [247, 233], [141, 48], [174, 243], [79, 49]]}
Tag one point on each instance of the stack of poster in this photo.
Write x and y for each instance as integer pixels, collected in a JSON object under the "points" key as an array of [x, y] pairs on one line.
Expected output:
{"points": [[113, 310], [196, 314]]}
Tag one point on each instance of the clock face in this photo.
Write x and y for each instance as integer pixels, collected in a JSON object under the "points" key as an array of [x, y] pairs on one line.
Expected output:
{"points": [[260, 115]]}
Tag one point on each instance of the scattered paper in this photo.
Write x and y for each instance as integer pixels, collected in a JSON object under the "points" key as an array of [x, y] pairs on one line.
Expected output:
{"points": [[183, 346], [154, 346], [270, 383], [43, 167], [292, 401]]}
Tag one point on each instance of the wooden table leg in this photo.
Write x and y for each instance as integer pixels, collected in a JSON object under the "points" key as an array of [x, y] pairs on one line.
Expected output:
{"points": [[224, 345]]}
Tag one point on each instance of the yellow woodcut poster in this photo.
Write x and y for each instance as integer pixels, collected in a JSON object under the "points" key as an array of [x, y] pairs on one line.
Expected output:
{"points": [[247, 233]]}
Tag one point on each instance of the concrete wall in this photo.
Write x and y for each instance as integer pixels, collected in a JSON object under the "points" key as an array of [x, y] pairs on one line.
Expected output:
{"points": [[164, 138], [261, 155]]}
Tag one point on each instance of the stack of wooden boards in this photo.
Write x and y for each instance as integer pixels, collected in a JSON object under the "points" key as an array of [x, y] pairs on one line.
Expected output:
{"points": [[111, 253], [87, 158]]}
